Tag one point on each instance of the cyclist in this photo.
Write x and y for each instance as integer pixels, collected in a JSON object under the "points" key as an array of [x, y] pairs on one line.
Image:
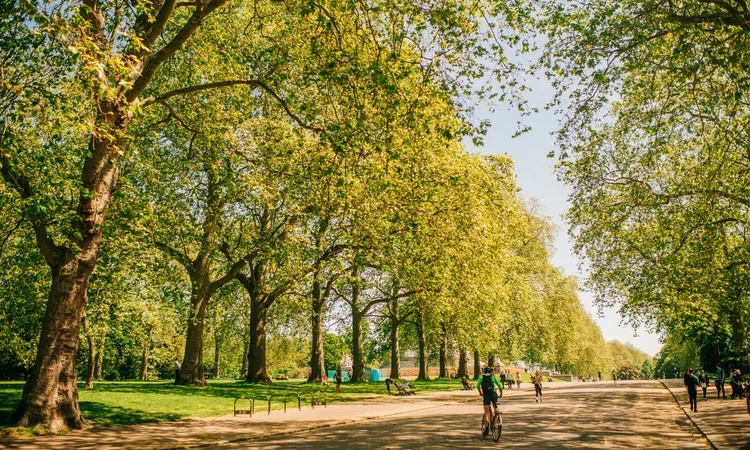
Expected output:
{"points": [[486, 387]]}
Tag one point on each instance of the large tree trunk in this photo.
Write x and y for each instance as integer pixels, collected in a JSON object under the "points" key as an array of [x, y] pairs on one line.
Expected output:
{"points": [[491, 361], [358, 366], [462, 372], [444, 353], [317, 360], [92, 355], [477, 367], [395, 349], [193, 371], [100, 358], [50, 396], [217, 355], [256, 355], [144, 358], [422, 343]]}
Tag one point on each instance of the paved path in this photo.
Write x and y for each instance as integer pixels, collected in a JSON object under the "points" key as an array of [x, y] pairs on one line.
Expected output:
{"points": [[577, 415], [725, 422], [573, 415]]}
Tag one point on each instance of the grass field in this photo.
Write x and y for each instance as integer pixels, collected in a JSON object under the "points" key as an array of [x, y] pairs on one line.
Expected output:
{"points": [[130, 402]]}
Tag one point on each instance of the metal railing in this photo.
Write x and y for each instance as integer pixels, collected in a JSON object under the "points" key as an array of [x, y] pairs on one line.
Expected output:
{"points": [[268, 399], [243, 411]]}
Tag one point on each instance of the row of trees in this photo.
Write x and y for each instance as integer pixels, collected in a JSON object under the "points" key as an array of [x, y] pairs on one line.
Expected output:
{"points": [[250, 174], [655, 148]]}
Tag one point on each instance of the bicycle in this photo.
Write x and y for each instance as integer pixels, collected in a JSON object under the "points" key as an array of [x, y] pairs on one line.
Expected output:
{"points": [[496, 423]]}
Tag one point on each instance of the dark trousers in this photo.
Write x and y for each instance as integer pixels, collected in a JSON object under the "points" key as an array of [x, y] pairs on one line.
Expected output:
{"points": [[720, 390], [704, 392], [693, 394], [538, 389], [177, 376]]}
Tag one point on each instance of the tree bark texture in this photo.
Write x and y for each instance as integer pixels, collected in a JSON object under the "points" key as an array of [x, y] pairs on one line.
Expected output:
{"points": [[317, 357], [217, 355], [443, 352], [245, 360], [491, 360], [462, 369], [422, 343], [395, 349], [256, 355], [192, 372], [358, 366], [477, 367], [100, 358]]}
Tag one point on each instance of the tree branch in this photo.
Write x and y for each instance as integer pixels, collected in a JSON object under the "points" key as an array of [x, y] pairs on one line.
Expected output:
{"points": [[153, 63], [175, 254], [257, 84], [229, 276], [374, 302]]}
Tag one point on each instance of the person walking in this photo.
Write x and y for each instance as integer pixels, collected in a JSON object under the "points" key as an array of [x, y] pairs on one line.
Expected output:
{"points": [[337, 378], [691, 382], [734, 381], [599, 376], [518, 381], [719, 381], [614, 376], [703, 382], [538, 385], [177, 368]]}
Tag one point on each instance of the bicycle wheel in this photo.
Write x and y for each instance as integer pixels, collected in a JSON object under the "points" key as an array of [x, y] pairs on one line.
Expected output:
{"points": [[484, 425], [497, 427]]}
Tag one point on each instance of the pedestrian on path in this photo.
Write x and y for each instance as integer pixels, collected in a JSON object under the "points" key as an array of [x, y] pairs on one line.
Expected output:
{"points": [[734, 381], [719, 381], [538, 385], [518, 380], [599, 376], [337, 377], [691, 382], [177, 368], [703, 381], [614, 376]]}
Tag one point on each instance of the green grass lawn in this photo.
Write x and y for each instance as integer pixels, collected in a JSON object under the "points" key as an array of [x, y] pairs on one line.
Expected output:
{"points": [[130, 402]]}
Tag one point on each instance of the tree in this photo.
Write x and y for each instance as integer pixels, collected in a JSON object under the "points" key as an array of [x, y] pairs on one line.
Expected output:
{"points": [[659, 192]]}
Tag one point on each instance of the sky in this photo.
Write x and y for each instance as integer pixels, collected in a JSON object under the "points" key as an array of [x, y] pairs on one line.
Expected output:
{"points": [[537, 179]]}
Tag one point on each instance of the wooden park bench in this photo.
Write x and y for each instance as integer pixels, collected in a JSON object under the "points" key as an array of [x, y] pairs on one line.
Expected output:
{"points": [[282, 378], [405, 388]]}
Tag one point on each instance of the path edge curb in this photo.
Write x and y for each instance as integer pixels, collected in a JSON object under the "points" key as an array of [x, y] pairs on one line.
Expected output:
{"points": [[694, 420]]}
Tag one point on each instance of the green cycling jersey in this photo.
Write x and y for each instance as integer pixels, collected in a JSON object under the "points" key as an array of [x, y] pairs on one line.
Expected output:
{"points": [[495, 381]]}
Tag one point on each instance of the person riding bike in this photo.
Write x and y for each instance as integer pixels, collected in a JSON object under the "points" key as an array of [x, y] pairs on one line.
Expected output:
{"points": [[486, 387]]}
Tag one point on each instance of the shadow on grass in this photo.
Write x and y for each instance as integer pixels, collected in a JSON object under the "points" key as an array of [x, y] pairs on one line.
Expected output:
{"points": [[105, 415], [9, 398]]}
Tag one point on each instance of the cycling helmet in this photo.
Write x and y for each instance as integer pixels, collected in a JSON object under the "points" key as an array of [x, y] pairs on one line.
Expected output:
{"points": [[487, 370]]}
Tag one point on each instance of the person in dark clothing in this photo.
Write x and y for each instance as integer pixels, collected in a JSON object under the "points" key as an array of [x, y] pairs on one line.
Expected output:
{"points": [[703, 381], [388, 382], [719, 381], [691, 382], [734, 381]]}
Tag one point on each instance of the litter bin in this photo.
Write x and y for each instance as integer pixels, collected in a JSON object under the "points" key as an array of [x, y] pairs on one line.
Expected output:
{"points": [[331, 374], [374, 375]]}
